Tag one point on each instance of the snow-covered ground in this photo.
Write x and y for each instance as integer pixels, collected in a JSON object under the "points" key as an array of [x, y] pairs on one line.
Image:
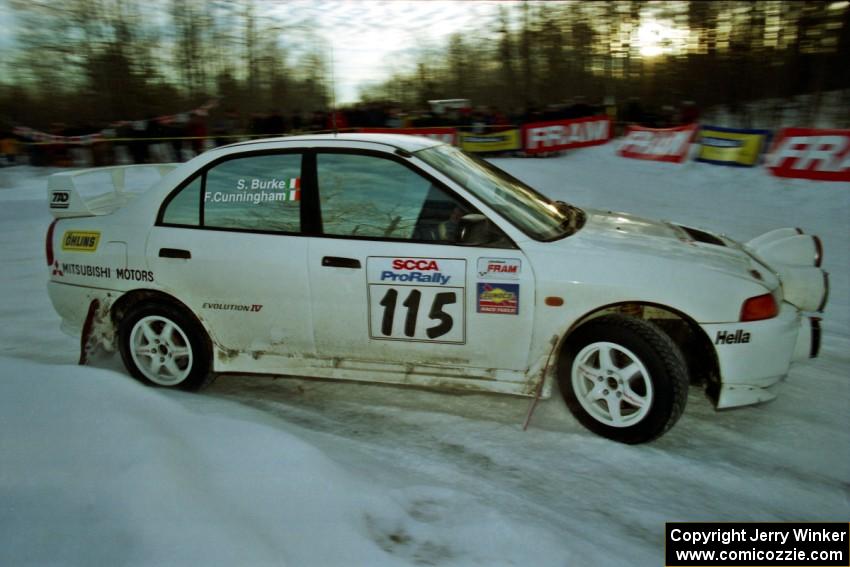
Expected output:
{"points": [[96, 469]]}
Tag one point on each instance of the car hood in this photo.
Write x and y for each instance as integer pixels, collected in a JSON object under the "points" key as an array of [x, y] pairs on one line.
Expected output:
{"points": [[675, 242]]}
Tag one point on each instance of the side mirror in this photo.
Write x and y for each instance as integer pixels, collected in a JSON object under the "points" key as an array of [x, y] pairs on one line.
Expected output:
{"points": [[474, 229]]}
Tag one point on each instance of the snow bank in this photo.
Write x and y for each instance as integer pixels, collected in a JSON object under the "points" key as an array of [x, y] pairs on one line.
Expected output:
{"points": [[98, 469]]}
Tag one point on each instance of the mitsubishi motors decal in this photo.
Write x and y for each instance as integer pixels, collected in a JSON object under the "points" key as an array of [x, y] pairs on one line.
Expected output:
{"points": [[809, 153]]}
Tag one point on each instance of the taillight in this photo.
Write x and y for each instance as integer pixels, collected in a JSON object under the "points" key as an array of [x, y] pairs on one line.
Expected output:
{"points": [[48, 245], [759, 307], [818, 251]]}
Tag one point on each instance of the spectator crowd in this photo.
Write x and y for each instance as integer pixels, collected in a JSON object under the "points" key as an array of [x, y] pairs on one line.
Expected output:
{"points": [[183, 136]]}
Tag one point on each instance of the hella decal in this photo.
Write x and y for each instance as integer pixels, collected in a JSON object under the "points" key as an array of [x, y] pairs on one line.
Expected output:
{"points": [[732, 337], [80, 241], [499, 268]]}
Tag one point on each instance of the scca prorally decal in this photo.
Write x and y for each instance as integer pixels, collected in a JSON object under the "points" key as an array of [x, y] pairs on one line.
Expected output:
{"points": [[499, 268], [256, 191], [134, 275], [498, 298], [416, 270], [59, 200], [86, 270], [732, 337], [80, 241], [253, 308]]}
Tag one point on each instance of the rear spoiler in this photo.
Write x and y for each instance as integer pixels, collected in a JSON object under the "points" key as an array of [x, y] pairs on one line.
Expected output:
{"points": [[66, 201]]}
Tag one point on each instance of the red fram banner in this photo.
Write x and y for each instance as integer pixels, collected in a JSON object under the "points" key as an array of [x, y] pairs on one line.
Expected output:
{"points": [[658, 144], [540, 137], [809, 153]]}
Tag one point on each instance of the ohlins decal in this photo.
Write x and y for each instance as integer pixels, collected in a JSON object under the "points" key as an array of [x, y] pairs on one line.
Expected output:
{"points": [[78, 241]]}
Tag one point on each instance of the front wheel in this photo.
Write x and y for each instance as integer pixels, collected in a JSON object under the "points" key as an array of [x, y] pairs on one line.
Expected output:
{"points": [[623, 378], [162, 346]]}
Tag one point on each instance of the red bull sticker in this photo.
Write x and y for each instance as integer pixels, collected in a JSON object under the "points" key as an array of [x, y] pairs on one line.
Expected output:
{"points": [[498, 298]]}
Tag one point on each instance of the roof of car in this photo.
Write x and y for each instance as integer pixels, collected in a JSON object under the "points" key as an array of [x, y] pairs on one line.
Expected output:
{"points": [[400, 141]]}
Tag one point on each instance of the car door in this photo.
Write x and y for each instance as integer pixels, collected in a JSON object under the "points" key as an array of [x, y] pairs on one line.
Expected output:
{"points": [[228, 243], [392, 286]]}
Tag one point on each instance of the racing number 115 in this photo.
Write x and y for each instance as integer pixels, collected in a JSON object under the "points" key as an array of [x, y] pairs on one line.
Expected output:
{"points": [[411, 304]]}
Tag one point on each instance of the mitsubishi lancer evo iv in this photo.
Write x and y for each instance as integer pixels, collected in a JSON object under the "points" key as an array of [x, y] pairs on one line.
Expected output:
{"points": [[402, 260]]}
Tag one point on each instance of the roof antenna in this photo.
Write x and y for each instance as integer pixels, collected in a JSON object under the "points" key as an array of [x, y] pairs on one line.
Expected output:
{"points": [[333, 94]]}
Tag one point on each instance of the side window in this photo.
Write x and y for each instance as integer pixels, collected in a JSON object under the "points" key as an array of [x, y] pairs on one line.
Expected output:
{"points": [[362, 195], [183, 209], [255, 193]]}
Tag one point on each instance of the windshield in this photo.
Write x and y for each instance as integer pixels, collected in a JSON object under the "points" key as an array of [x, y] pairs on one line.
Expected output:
{"points": [[522, 206]]}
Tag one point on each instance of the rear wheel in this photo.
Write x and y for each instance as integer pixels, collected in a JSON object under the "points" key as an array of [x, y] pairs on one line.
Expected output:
{"points": [[623, 378], [162, 346]]}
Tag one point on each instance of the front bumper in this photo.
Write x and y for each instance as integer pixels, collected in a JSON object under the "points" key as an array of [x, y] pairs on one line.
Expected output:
{"points": [[754, 356]]}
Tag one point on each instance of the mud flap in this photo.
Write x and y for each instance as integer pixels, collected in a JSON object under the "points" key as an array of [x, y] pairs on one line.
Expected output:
{"points": [[87, 344], [539, 389]]}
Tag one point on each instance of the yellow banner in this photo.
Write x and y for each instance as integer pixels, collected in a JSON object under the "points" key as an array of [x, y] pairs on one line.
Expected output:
{"points": [[504, 141], [728, 146]]}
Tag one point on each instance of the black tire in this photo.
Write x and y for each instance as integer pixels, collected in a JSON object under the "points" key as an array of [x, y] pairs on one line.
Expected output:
{"points": [[163, 346], [638, 394]]}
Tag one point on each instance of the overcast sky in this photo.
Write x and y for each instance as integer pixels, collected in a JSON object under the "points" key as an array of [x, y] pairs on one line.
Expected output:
{"points": [[371, 38]]}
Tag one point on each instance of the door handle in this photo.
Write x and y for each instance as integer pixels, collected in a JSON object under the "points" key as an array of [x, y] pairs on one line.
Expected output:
{"points": [[174, 253], [337, 262]]}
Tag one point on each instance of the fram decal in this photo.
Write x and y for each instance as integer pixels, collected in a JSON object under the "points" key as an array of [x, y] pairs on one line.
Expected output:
{"points": [[498, 298], [80, 241], [59, 199], [732, 337], [499, 268], [253, 308]]}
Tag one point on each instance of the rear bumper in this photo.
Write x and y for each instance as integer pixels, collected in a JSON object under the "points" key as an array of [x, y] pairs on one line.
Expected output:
{"points": [[753, 357], [72, 302]]}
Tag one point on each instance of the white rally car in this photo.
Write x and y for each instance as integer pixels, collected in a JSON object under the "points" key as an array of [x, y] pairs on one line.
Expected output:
{"points": [[401, 260]]}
